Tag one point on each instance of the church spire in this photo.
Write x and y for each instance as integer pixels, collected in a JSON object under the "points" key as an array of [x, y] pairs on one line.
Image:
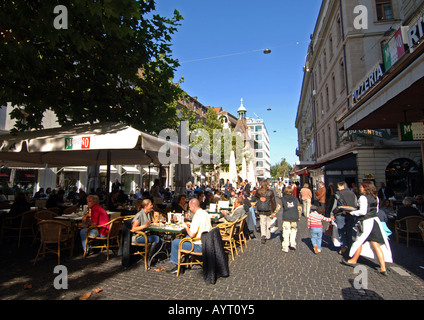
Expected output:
{"points": [[242, 111]]}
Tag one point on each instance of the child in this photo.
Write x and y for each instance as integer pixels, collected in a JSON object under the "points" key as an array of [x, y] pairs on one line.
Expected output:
{"points": [[315, 225]]}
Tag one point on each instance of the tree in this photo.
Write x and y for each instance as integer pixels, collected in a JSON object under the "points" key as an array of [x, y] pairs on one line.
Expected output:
{"points": [[112, 63], [281, 169]]}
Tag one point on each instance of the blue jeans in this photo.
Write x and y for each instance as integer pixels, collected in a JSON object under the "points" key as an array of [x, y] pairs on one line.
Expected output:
{"points": [[150, 238], [83, 234], [341, 227], [186, 246], [316, 237], [253, 214]]}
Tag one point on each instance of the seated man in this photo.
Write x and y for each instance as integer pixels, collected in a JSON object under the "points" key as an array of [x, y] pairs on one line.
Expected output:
{"points": [[237, 212], [200, 223], [97, 217]]}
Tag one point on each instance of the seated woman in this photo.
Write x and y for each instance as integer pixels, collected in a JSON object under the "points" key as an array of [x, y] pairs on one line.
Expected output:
{"points": [[387, 207], [141, 221], [19, 206], [180, 205]]}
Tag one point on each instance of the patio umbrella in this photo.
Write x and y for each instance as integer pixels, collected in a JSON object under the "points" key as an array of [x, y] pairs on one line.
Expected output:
{"points": [[251, 175], [88, 145], [244, 169], [233, 169]]}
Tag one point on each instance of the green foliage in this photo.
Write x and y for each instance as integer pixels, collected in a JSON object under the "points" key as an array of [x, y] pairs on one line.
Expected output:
{"points": [[281, 169], [113, 63]]}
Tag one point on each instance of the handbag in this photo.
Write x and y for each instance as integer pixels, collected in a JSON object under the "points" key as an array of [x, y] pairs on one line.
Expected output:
{"points": [[329, 230]]}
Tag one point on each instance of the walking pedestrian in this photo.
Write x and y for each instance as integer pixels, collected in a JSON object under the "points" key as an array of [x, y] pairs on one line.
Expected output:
{"points": [[306, 197], [265, 206], [290, 219], [371, 237], [345, 222], [321, 194], [315, 226]]}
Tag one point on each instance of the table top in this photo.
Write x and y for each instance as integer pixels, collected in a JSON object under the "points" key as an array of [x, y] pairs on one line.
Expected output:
{"points": [[69, 217], [160, 227]]}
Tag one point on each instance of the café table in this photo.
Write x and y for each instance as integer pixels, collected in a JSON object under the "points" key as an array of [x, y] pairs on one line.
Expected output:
{"points": [[169, 232], [74, 219], [215, 216]]}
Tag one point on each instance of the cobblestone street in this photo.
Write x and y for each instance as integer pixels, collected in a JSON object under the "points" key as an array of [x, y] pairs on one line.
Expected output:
{"points": [[262, 272]]}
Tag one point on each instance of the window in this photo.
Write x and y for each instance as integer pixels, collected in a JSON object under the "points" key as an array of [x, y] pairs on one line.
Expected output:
{"points": [[327, 94], [325, 59], [333, 82], [259, 154], [342, 74], [258, 128], [384, 10], [258, 137], [329, 139], [339, 28], [259, 163]]}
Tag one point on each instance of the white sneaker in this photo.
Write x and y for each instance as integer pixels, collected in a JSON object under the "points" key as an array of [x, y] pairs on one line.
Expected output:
{"points": [[285, 249]]}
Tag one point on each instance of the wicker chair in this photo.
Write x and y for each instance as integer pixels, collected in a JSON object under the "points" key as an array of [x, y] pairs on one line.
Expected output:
{"points": [[227, 230], [407, 227], [70, 210], [239, 236], [191, 258], [41, 215], [55, 210], [115, 226], [142, 249], [20, 224], [55, 233], [44, 215], [421, 227]]}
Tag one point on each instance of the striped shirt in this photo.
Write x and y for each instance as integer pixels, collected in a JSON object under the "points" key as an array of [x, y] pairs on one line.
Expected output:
{"points": [[315, 220]]}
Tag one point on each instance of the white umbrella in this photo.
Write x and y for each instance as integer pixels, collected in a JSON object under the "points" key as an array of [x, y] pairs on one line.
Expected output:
{"points": [[89, 145], [233, 169], [244, 169], [251, 174]]}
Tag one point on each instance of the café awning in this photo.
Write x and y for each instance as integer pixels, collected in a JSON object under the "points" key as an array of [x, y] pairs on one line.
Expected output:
{"points": [[88, 145]]}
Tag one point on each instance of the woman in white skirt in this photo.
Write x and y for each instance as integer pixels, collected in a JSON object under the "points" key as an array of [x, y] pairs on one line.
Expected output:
{"points": [[371, 237]]}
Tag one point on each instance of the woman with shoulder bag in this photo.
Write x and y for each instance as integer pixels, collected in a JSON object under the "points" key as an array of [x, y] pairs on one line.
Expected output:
{"points": [[265, 206], [371, 237]]}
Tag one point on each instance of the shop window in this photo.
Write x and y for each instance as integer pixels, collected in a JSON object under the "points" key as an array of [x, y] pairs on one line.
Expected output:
{"points": [[384, 10]]}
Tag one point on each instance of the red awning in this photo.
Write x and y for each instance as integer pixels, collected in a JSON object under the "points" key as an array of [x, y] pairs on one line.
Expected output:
{"points": [[300, 172]]}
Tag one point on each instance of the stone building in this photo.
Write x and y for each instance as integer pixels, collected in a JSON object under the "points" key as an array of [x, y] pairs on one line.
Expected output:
{"points": [[344, 68]]}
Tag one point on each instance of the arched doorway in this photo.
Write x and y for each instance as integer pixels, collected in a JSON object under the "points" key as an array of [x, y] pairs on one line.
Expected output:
{"points": [[404, 177]]}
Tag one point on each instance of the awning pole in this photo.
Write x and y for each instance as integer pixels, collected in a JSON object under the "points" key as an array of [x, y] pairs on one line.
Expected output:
{"points": [[107, 190]]}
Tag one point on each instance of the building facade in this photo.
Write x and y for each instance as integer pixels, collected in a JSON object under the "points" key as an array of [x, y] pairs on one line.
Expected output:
{"points": [[344, 63], [259, 134]]}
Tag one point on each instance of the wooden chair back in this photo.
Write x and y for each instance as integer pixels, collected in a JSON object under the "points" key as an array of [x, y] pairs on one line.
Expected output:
{"points": [[55, 232], [44, 215]]}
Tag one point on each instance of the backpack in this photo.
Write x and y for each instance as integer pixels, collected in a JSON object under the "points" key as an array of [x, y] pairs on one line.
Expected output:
{"points": [[263, 206]]}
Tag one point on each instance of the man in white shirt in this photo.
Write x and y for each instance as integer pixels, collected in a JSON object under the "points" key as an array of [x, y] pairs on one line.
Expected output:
{"points": [[201, 223]]}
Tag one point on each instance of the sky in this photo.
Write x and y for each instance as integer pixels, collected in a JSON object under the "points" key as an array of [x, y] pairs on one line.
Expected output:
{"points": [[220, 45]]}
